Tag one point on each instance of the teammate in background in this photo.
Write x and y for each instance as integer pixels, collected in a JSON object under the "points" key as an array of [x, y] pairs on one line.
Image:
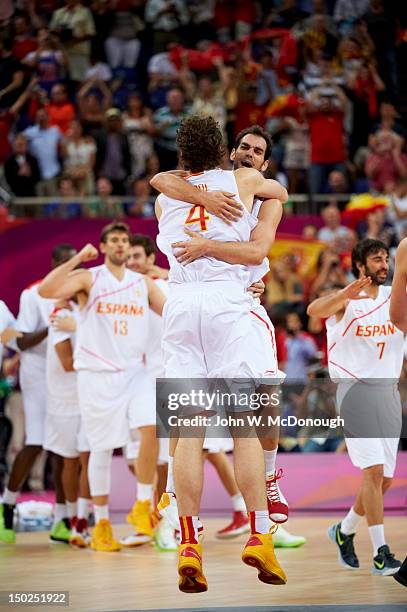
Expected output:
{"points": [[115, 393], [142, 256], [64, 433], [208, 332], [365, 356], [252, 150], [398, 315], [31, 339], [7, 321]]}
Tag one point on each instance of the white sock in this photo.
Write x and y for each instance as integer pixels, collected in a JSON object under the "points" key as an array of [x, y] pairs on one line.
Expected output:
{"points": [[170, 488], [376, 533], [270, 460], [101, 512], [83, 508], [59, 513], [238, 503], [10, 497], [144, 491], [350, 522], [259, 521], [72, 508]]}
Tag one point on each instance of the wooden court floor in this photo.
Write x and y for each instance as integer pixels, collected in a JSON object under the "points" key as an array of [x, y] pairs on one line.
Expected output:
{"points": [[143, 578]]}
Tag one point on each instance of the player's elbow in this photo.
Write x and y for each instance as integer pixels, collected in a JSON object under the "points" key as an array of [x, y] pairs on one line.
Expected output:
{"points": [[158, 181], [312, 310], [284, 195], [45, 291]]}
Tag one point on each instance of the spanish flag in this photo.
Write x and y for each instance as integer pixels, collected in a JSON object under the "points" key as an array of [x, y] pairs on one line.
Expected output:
{"points": [[360, 205]]}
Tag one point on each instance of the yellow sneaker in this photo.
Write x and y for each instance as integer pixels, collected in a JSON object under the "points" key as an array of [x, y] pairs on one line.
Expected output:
{"points": [[191, 576], [140, 518], [259, 553], [102, 537]]}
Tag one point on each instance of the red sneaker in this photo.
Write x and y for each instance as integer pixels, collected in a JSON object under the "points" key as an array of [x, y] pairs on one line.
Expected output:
{"points": [[240, 524], [276, 502]]}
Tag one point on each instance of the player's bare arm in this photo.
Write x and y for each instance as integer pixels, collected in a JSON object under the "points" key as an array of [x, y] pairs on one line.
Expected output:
{"points": [[244, 253], [398, 300], [252, 183], [65, 281], [335, 303], [65, 354], [218, 203], [156, 297]]}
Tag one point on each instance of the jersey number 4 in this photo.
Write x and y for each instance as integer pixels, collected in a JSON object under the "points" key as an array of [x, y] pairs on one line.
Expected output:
{"points": [[198, 214]]}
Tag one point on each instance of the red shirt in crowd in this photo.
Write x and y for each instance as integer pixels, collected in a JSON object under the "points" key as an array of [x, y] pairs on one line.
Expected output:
{"points": [[326, 131], [6, 121], [61, 115]]}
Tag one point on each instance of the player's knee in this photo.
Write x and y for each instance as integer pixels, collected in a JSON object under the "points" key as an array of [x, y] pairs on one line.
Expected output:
{"points": [[374, 475], [387, 482]]}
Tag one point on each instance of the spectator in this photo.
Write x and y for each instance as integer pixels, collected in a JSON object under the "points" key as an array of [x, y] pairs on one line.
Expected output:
{"points": [[209, 101], [99, 71], [247, 111], [48, 60], [68, 209], [21, 169], [23, 42], [163, 75], [386, 163], [397, 211], [301, 348], [296, 151], [333, 233], [167, 121], [93, 98], [61, 112], [377, 228], [347, 12], [326, 107], [104, 205], [122, 46], [113, 159], [138, 125], [310, 232], [329, 272], [143, 202], [75, 27], [165, 17], [267, 82], [284, 290], [44, 142], [79, 153], [381, 25], [11, 76], [337, 182], [388, 119], [319, 37]]}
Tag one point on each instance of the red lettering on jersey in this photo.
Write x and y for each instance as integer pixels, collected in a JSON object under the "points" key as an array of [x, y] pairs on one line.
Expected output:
{"points": [[367, 331]]}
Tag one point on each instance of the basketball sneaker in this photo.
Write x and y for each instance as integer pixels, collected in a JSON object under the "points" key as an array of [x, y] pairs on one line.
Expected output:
{"points": [[401, 575], [259, 553], [61, 531], [167, 507], [283, 539], [164, 537], [240, 524], [7, 535], [80, 536], [102, 537], [384, 562], [140, 518], [191, 576], [276, 502], [346, 551]]}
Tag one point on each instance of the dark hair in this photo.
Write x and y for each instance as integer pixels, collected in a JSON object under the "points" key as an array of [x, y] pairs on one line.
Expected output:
{"points": [[256, 130], [200, 142], [60, 251], [363, 249], [146, 242], [115, 226]]}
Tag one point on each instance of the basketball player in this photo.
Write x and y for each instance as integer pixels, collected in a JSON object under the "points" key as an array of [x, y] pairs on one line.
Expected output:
{"points": [[208, 333], [31, 332], [365, 356], [63, 431], [115, 393], [398, 315], [142, 255], [252, 149]]}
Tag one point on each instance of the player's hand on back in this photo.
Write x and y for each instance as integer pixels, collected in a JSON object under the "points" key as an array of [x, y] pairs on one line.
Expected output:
{"points": [[257, 288], [88, 253], [222, 205], [64, 324], [9, 334], [354, 289], [189, 250]]}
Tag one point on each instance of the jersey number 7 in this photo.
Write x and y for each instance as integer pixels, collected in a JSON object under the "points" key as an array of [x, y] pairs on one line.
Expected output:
{"points": [[381, 345]]}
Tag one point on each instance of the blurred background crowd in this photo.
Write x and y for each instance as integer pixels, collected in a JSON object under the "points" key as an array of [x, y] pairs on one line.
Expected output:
{"points": [[92, 94]]}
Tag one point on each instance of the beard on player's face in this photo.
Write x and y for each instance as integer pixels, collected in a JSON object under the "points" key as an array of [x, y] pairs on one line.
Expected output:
{"points": [[378, 276]]}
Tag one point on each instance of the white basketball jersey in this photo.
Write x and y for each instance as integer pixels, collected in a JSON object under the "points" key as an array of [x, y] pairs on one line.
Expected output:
{"points": [[61, 385], [364, 343], [154, 355], [114, 325], [258, 272], [178, 216]]}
